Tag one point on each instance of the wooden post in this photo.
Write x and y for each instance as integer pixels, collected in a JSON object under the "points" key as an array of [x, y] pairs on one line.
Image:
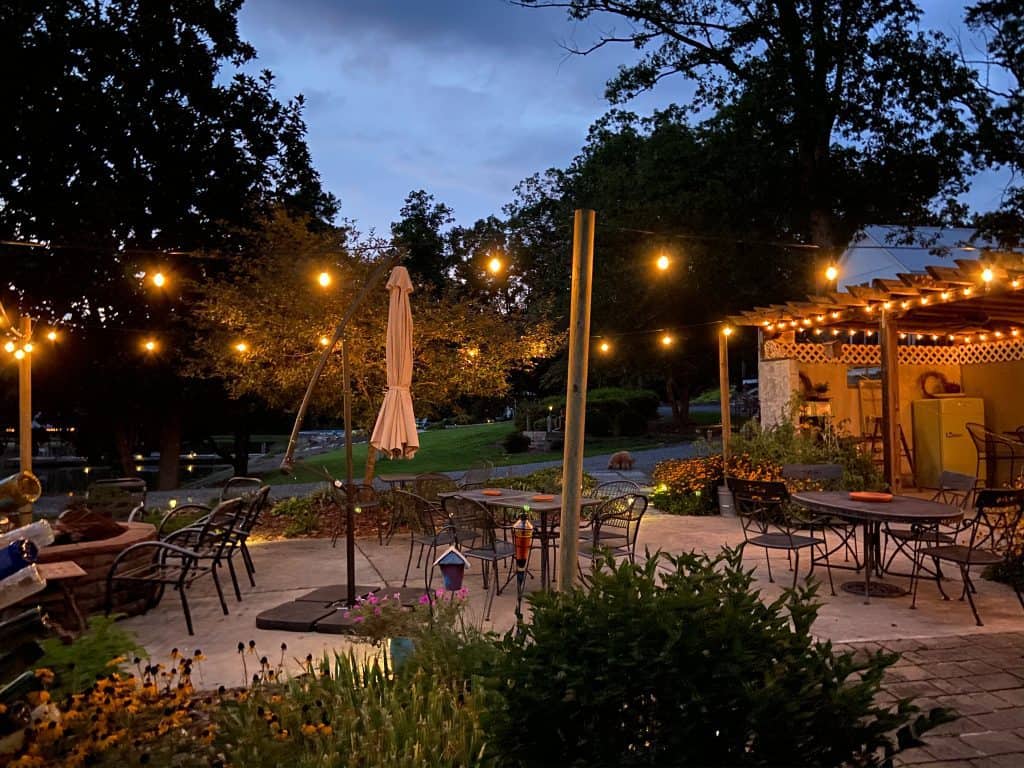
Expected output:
{"points": [[576, 393], [723, 385], [889, 343], [350, 535], [25, 399]]}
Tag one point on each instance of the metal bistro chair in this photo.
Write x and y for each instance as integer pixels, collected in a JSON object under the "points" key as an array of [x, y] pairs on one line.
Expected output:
{"points": [[364, 497], [175, 565], [430, 484], [954, 488], [240, 486], [993, 450], [763, 509], [477, 532], [615, 488], [426, 527], [477, 476], [828, 477], [992, 532], [614, 526]]}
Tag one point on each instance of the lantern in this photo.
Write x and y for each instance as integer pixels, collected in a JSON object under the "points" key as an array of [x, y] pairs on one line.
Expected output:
{"points": [[453, 565], [522, 539]]}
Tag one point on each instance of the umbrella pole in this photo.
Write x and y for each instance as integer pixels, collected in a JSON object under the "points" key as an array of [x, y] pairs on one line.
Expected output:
{"points": [[350, 533]]}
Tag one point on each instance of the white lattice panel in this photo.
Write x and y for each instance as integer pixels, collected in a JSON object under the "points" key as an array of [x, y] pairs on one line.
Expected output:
{"points": [[1002, 351]]}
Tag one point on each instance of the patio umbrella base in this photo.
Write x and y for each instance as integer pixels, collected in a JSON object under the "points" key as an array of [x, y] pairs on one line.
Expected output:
{"points": [[293, 616], [335, 593], [878, 589], [338, 622]]}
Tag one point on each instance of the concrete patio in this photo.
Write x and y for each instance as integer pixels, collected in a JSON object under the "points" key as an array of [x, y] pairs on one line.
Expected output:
{"points": [[948, 661]]}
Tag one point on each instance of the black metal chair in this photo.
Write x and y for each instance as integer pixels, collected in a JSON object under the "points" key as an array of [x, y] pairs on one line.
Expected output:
{"points": [[240, 486], [477, 476], [613, 527], [426, 526], [174, 564], [364, 498], [991, 535], [430, 484], [763, 507], [477, 532], [994, 451], [615, 488], [954, 488], [827, 477]]}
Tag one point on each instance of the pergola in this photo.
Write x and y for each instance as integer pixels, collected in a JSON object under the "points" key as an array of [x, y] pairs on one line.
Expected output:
{"points": [[963, 312]]}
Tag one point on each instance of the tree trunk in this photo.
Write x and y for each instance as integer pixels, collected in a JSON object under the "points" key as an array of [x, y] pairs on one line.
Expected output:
{"points": [[123, 440], [371, 464], [170, 450]]}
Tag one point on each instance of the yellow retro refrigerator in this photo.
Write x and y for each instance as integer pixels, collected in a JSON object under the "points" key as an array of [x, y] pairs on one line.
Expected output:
{"points": [[941, 440]]}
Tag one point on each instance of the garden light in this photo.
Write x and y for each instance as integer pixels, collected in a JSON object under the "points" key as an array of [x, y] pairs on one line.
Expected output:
{"points": [[522, 541]]}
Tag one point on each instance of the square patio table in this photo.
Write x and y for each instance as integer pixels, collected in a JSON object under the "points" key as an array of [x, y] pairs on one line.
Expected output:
{"points": [[870, 515], [399, 479], [517, 500]]}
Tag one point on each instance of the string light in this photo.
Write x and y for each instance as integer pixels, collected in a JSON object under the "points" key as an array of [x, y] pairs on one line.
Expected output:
{"points": [[935, 337], [159, 279], [52, 335], [835, 315], [1015, 332], [666, 340], [324, 341], [19, 354], [887, 305], [1015, 284], [149, 345], [903, 335], [29, 346], [494, 265], [817, 331], [987, 275], [944, 295], [905, 304], [241, 347], [869, 308], [924, 301], [967, 291], [998, 334], [663, 262], [324, 278], [831, 272], [9, 346], [605, 347]]}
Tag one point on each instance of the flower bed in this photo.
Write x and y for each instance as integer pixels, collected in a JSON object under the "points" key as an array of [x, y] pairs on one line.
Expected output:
{"points": [[688, 486]]}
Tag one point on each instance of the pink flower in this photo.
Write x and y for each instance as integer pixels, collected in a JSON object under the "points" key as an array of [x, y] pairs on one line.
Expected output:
{"points": [[358, 619], [372, 599], [376, 611], [397, 596], [439, 592], [424, 599]]}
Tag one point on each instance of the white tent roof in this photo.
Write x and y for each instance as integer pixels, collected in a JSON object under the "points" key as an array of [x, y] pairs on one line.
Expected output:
{"points": [[884, 250]]}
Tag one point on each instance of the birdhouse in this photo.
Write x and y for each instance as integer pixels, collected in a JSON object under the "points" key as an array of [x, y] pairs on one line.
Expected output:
{"points": [[453, 565]]}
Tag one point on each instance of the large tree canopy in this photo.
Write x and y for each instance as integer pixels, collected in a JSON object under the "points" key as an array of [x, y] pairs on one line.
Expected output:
{"points": [[847, 84]]}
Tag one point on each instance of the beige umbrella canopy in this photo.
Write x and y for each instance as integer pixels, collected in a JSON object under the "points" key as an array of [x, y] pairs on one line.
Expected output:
{"points": [[395, 430]]}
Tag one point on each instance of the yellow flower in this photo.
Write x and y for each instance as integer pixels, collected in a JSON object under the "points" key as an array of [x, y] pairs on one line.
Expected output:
{"points": [[44, 674], [309, 729]]}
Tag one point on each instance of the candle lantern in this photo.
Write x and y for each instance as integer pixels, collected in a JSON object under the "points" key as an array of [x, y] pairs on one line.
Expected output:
{"points": [[522, 540], [453, 566]]}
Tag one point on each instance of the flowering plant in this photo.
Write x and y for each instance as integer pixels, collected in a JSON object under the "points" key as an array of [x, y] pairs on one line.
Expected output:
{"points": [[380, 617]]}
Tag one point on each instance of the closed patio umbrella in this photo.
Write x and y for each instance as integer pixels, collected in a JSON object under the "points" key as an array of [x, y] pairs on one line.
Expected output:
{"points": [[395, 430]]}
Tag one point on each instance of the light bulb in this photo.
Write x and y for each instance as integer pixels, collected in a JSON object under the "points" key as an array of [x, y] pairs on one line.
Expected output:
{"points": [[666, 340], [9, 346], [727, 331], [159, 280], [19, 354], [324, 341], [605, 346], [494, 265], [324, 279], [663, 262], [831, 273], [987, 275], [52, 335], [241, 347], [150, 345], [28, 347]]}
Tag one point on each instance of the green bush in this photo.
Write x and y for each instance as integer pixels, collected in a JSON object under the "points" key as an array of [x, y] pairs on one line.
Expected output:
{"points": [[516, 442], [629, 423], [543, 481], [598, 424], [78, 664], [303, 513], [677, 661], [609, 401]]}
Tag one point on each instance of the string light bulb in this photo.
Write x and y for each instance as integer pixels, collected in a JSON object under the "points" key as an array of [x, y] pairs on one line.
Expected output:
{"points": [[28, 347], [967, 291], [324, 278], [324, 341], [663, 262], [666, 340], [241, 347], [831, 272], [494, 265], [9, 346], [1015, 332], [727, 331], [987, 275], [52, 335], [19, 354], [604, 346], [159, 279], [149, 345]]}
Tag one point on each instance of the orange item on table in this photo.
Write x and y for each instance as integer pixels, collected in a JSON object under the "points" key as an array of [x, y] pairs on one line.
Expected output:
{"points": [[491, 492], [542, 497], [870, 496]]}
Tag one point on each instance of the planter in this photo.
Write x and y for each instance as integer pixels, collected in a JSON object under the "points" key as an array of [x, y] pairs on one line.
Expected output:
{"points": [[400, 649], [726, 505]]}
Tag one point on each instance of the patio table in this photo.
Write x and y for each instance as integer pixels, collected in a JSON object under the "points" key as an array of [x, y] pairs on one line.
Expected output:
{"points": [[399, 479], [544, 533], [871, 516]]}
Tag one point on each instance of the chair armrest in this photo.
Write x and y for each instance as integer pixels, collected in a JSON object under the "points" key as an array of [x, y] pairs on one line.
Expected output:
{"points": [[161, 548], [178, 512]]}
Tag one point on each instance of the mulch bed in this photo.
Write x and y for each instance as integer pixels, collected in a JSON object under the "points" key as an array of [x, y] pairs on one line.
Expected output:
{"points": [[272, 527]]}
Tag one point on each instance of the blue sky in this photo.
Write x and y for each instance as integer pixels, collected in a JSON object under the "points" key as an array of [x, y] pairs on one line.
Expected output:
{"points": [[463, 98]]}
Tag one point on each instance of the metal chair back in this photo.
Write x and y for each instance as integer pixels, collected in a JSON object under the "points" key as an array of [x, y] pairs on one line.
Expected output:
{"points": [[761, 505], [478, 475], [955, 488], [416, 512], [240, 486], [620, 515], [615, 488], [997, 517], [430, 484], [474, 522]]}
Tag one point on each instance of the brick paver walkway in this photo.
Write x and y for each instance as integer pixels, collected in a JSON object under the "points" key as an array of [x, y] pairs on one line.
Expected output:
{"points": [[981, 677]]}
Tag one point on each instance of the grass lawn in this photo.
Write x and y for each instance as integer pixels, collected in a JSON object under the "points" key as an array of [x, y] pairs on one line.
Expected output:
{"points": [[447, 450]]}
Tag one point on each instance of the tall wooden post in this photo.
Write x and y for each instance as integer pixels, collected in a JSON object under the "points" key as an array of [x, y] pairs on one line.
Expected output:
{"points": [[576, 393], [25, 399], [723, 385], [350, 537], [888, 336]]}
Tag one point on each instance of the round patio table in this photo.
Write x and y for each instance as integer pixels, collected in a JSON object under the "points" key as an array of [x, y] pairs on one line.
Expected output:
{"points": [[870, 515]]}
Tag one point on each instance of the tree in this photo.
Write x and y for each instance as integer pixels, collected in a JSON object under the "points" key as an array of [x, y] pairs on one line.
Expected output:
{"points": [[419, 232], [845, 86], [271, 305], [1002, 125], [135, 142]]}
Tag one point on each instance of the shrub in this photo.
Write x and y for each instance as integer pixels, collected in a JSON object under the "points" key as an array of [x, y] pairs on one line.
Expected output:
{"points": [[608, 401], [598, 424], [303, 513], [543, 480], [630, 423], [516, 442], [676, 661], [77, 665]]}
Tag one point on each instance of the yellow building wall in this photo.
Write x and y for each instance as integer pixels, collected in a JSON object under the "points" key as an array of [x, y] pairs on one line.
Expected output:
{"points": [[1002, 387]]}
